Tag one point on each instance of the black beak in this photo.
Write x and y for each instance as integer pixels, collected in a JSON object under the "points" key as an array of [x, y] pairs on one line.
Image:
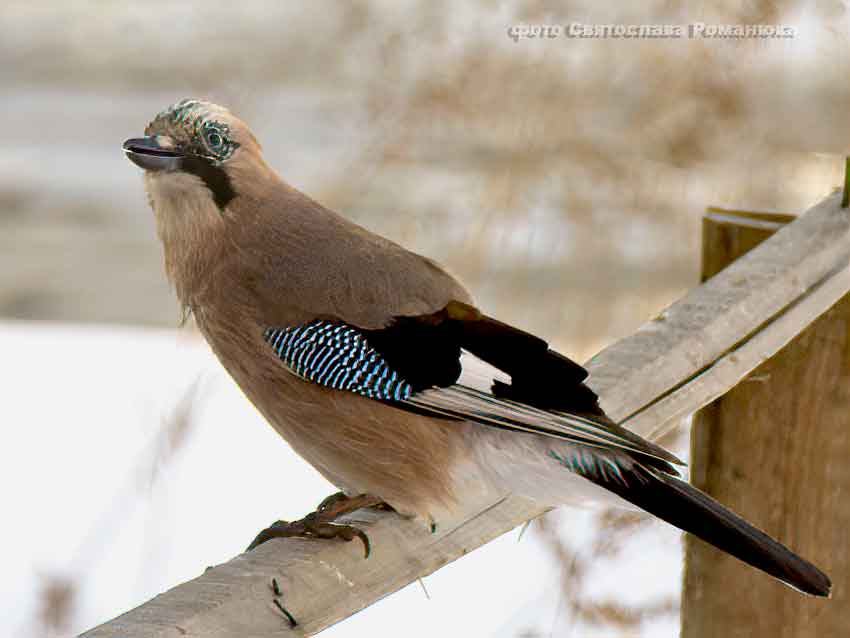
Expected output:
{"points": [[149, 155]]}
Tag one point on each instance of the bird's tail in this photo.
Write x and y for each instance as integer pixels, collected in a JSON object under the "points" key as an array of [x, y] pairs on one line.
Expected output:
{"points": [[691, 510]]}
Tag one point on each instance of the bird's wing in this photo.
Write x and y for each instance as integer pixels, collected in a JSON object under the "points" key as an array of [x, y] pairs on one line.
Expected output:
{"points": [[415, 363]]}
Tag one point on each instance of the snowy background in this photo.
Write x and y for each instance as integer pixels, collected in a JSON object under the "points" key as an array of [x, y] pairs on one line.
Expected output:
{"points": [[109, 511]]}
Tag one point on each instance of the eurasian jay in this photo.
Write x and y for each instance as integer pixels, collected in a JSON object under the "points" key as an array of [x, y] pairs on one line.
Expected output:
{"points": [[350, 346]]}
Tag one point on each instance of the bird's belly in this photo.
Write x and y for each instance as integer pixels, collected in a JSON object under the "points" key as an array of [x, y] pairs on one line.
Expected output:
{"points": [[421, 466]]}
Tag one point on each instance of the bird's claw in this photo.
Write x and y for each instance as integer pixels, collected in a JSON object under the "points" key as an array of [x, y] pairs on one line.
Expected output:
{"points": [[338, 530], [320, 524]]}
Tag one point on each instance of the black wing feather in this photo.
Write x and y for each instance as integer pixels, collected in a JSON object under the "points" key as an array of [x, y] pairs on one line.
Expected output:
{"points": [[426, 351]]}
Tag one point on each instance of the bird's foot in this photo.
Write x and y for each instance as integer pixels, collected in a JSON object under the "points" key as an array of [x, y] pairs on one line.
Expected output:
{"points": [[308, 527], [321, 523], [338, 504]]}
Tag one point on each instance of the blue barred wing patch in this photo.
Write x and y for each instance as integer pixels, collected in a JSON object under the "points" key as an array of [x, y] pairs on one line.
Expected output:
{"points": [[337, 356]]}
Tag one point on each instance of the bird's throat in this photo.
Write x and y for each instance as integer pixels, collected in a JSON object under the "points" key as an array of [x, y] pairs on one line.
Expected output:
{"points": [[190, 225], [214, 178]]}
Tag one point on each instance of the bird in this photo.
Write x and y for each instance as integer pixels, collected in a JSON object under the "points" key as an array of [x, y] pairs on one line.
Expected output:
{"points": [[378, 368]]}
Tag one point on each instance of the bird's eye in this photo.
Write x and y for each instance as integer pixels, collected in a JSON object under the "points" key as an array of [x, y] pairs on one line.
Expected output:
{"points": [[214, 137], [214, 140]]}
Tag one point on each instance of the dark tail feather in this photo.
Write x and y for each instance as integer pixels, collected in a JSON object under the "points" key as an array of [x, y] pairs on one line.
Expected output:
{"points": [[691, 510]]}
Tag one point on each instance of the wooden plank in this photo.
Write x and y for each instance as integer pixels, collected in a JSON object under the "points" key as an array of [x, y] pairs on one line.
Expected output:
{"points": [[321, 582], [775, 449], [731, 233], [324, 582], [660, 417], [708, 322], [728, 234]]}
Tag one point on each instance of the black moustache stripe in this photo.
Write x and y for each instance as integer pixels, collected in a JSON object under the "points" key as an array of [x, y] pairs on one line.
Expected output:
{"points": [[215, 178]]}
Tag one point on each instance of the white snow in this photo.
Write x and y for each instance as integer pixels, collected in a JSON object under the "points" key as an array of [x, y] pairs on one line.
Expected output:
{"points": [[92, 491]]}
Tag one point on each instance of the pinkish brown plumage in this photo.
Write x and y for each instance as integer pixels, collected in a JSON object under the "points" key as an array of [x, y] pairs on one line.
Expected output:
{"points": [[350, 346]]}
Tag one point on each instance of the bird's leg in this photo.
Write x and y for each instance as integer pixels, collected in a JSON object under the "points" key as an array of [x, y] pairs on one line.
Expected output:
{"points": [[338, 504], [320, 524], [331, 500]]}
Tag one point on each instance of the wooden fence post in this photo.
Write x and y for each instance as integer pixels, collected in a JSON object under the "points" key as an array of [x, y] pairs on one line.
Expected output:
{"points": [[775, 448]]}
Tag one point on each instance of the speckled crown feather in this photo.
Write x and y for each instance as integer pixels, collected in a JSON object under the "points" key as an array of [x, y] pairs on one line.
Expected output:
{"points": [[199, 126]]}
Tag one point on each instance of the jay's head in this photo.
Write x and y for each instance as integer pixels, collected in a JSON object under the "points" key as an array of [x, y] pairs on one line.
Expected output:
{"points": [[197, 151]]}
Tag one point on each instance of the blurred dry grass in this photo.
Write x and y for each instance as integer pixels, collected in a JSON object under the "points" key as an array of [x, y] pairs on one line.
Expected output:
{"points": [[563, 180], [613, 528], [57, 609]]}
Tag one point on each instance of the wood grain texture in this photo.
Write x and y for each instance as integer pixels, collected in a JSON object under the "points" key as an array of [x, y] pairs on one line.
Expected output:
{"points": [[728, 234], [665, 414], [775, 449], [710, 320], [324, 582]]}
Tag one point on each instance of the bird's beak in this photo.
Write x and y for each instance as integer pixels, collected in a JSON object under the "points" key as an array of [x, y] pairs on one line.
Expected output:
{"points": [[150, 154]]}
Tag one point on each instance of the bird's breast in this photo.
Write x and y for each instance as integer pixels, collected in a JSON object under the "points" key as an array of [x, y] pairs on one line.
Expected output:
{"points": [[414, 462]]}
